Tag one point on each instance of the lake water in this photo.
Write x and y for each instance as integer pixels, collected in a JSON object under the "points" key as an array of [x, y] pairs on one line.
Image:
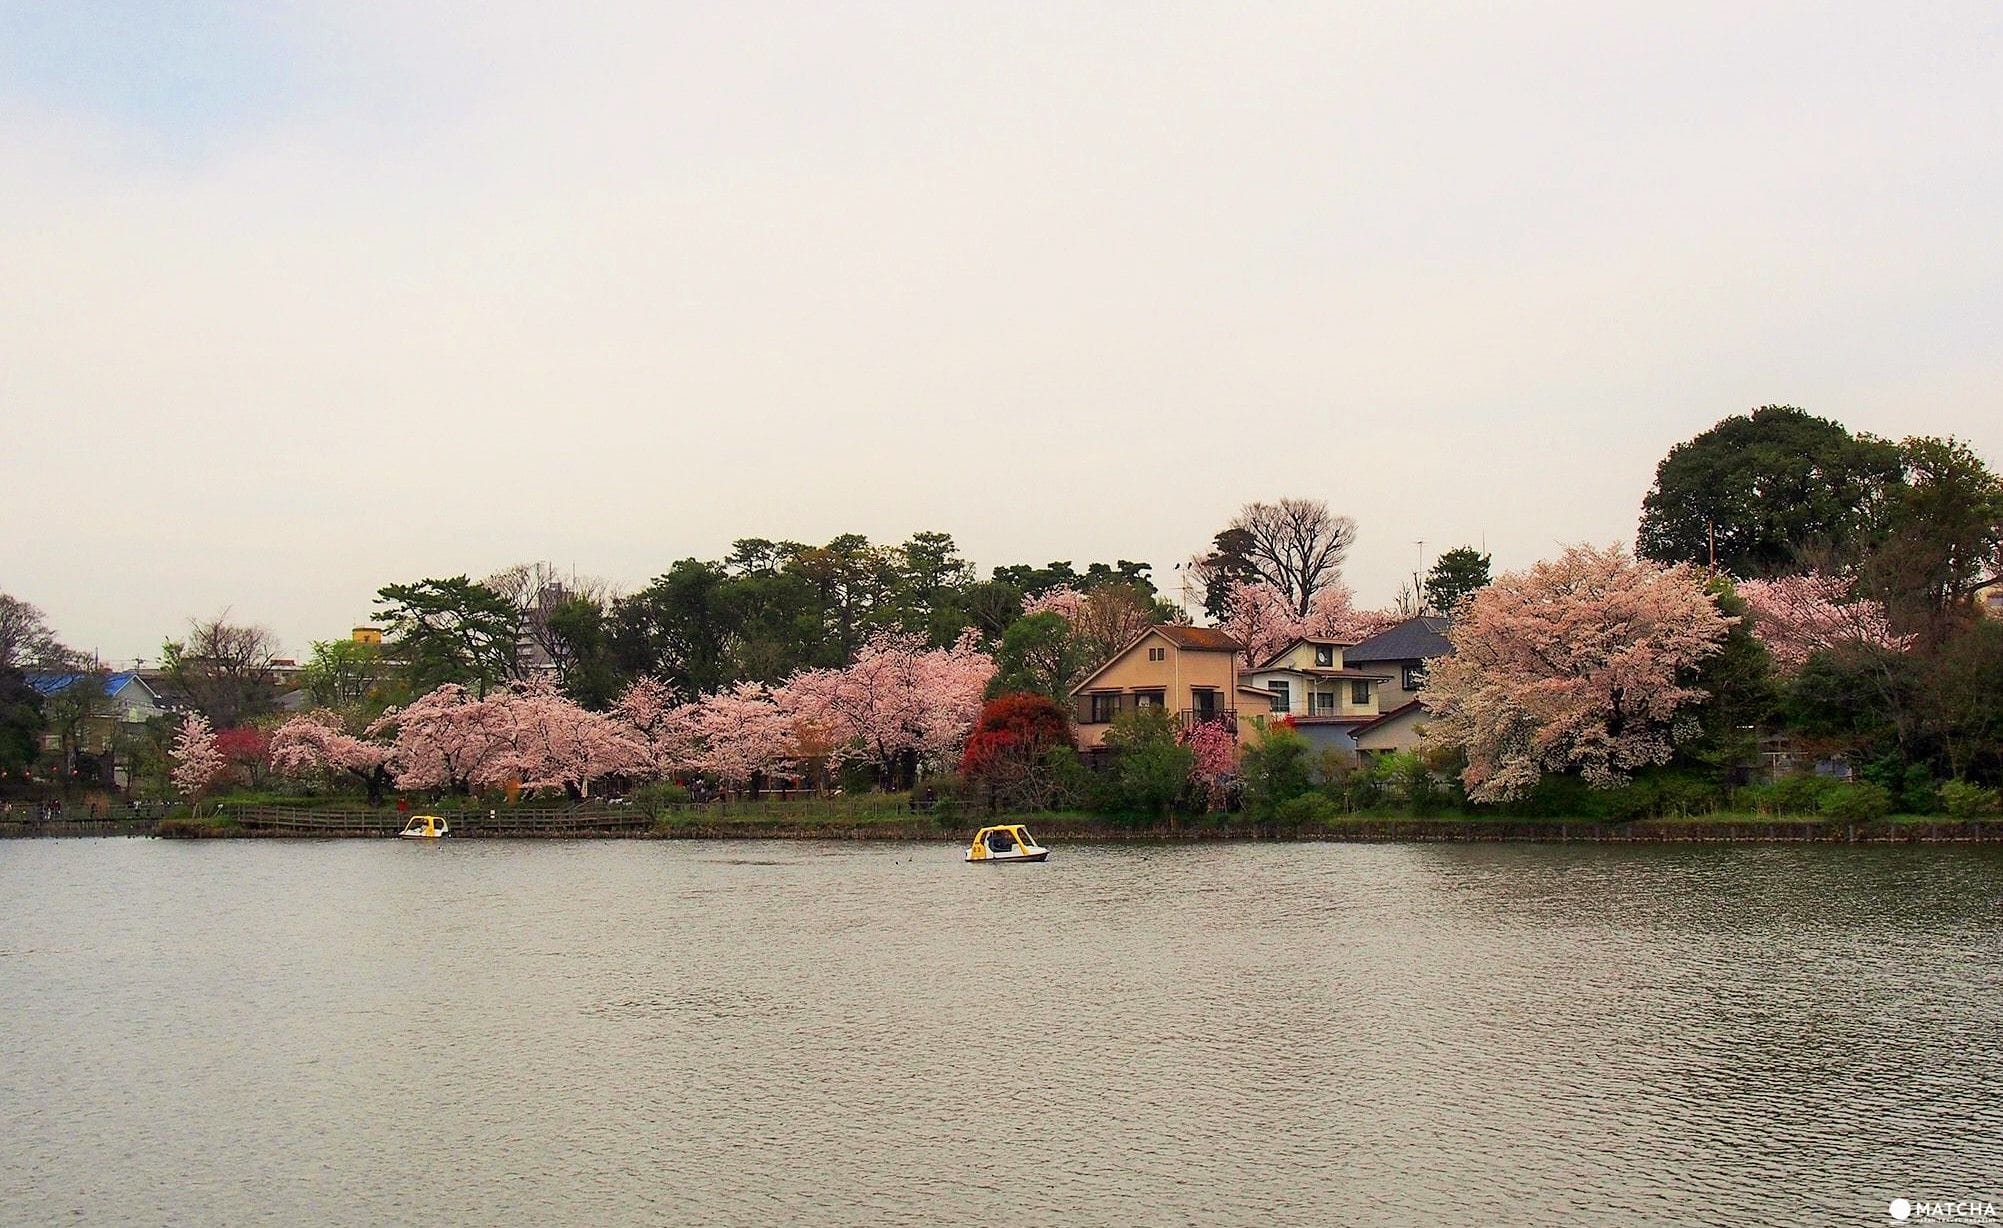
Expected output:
{"points": [[370, 1032]]}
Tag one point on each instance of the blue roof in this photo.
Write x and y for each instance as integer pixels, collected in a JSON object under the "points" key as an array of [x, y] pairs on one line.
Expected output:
{"points": [[51, 684]]}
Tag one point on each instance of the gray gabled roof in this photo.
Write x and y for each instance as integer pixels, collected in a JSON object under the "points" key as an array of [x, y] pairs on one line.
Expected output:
{"points": [[1415, 639]]}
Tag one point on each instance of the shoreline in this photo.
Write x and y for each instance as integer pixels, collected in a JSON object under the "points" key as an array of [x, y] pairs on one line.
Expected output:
{"points": [[926, 830]]}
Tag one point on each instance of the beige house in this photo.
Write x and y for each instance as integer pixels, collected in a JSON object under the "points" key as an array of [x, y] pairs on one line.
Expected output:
{"points": [[1402, 728], [1190, 671], [1989, 597]]}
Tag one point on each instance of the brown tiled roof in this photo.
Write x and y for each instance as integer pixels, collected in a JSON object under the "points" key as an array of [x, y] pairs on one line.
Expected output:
{"points": [[1200, 639], [1203, 639]]}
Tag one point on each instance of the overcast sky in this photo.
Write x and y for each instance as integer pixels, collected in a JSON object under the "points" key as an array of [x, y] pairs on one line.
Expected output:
{"points": [[298, 300]]}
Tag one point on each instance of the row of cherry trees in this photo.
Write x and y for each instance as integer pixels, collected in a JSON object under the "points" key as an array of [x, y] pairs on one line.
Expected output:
{"points": [[899, 704]]}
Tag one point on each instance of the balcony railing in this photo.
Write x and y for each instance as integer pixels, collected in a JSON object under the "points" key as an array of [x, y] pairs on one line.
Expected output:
{"points": [[1190, 718]]}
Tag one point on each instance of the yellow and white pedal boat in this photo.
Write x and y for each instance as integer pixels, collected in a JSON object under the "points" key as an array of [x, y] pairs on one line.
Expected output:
{"points": [[1009, 842], [425, 827]]}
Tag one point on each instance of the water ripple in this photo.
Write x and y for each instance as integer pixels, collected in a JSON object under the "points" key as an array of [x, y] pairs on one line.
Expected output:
{"points": [[614, 1033]]}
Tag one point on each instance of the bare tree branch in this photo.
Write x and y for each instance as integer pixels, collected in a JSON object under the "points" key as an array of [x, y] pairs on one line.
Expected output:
{"points": [[1297, 545]]}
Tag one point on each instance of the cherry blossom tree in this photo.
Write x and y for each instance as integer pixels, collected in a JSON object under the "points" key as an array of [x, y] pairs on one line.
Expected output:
{"points": [[446, 739], [662, 728], [1334, 616], [1065, 602], [554, 743], [1801, 615], [1103, 619], [197, 762], [1216, 751], [898, 704], [1582, 663], [315, 742], [741, 733], [1262, 618]]}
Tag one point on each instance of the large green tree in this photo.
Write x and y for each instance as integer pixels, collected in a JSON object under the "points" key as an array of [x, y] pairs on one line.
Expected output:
{"points": [[1942, 535], [452, 630], [929, 588], [580, 634], [1039, 655], [1740, 692], [20, 724], [677, 628], [1032, 581], [1228, 564], [1766, 491], [1457, 575], [342, 673]]}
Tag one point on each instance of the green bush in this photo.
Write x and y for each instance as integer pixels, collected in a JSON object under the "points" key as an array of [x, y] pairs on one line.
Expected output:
{"points": [[1151, 766], [1406, 778], [1303, 810], [657, 795], [1276, 772], [1963, 800], [1360, 791], [1917, 793], [1803, 793], [1857, 802]]}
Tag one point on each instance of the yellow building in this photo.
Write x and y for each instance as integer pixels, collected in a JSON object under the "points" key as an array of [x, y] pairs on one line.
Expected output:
{"points": [[367, 635], [1192, 672]]}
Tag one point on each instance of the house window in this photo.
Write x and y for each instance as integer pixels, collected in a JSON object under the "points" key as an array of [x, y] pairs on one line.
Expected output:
{"points": [[1324, 702], [1157, 654], [1415, 677], [1105, 707], [1203, 702], [1324, 655], [1359, 692], [1283, 695], [1149, 699]]}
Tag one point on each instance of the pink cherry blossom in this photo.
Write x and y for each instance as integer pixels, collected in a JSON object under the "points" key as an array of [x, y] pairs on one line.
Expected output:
{"points": [[315, 742], [197, 761], [663, 728], [1582, 663], [1066, 603], [1260, 617], [1216, 751], [1799, 616], [446, 739], [556, 744], [898, 699], [742, 732]]}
